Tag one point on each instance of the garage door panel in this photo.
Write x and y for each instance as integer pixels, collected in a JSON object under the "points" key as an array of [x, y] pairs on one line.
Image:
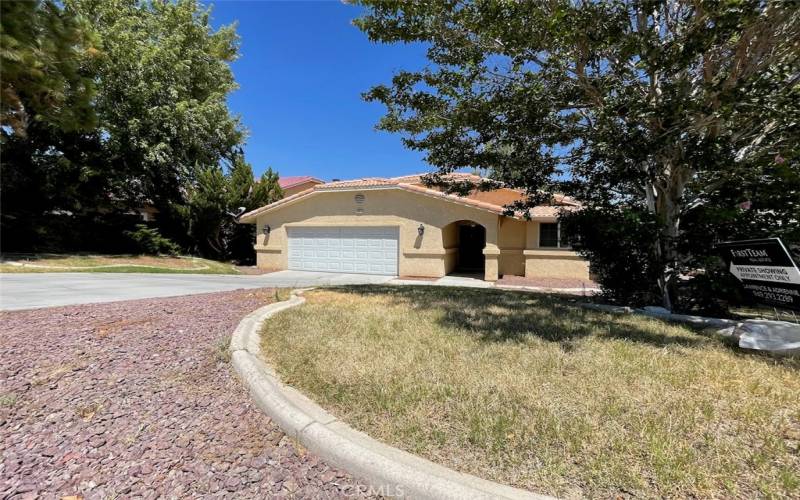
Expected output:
{"points": [[370, 250]]}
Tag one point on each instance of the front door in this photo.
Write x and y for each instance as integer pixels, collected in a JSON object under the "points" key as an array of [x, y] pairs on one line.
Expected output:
{"points": [[472, 239]]}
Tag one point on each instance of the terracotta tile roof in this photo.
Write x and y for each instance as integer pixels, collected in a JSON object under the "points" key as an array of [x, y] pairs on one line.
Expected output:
{"points": [[417, 178], [502, 196], [492, 201], [566, 200], [294, 180], [550, 211], [357, 183]]}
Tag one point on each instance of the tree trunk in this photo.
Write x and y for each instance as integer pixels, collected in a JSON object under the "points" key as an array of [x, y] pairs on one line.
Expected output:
{"points": [[669, 214], [665, 200]]}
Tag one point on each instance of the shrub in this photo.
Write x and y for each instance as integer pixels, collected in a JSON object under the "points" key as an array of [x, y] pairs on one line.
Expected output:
{"points": [[618, 242], [66, 233], [150, 241]]}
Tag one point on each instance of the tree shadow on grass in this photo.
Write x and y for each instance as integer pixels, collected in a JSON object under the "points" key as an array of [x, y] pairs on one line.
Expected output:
{"points": [[507, 316]]}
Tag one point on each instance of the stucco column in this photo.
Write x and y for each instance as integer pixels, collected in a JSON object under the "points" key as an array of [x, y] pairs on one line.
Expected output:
{"points": [[492, 263], [491, 253]]}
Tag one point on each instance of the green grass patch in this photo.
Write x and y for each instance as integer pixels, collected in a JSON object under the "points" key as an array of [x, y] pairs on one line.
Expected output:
{"points": [[222, 349], [85, 263], [531, 391], [8, 400]]}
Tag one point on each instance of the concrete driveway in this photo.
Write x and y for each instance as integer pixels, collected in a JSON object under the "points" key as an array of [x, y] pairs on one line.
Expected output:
{"points": [[28, 291]]}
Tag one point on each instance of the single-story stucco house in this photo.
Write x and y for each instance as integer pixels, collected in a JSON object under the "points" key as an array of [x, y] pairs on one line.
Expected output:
{"points": [[398, 226]]}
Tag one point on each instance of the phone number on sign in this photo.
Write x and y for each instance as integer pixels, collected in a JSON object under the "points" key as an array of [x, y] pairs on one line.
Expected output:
{"points": [[773, 294]]}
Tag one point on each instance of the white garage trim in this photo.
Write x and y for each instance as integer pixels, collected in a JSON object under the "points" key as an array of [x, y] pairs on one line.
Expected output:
{"points": [[361, 250]]}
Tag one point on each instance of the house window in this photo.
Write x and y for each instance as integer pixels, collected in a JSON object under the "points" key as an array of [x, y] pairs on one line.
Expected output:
{"points": [[551, 236]]}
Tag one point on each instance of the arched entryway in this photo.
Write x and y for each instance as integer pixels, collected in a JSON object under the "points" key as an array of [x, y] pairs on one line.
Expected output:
{"points": [[465, 241]]}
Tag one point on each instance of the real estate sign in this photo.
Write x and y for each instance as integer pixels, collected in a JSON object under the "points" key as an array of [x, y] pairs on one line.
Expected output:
{"points": [[766, 270]]}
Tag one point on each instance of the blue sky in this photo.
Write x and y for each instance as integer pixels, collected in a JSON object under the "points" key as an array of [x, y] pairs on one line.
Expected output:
{"points": [[302, 70]]}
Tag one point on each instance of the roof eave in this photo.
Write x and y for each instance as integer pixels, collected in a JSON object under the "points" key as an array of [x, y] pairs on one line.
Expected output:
{"points": [[252, 216]]}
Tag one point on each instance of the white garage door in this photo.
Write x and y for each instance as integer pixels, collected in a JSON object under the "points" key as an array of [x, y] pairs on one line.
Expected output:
{"points": [[362, 250]]}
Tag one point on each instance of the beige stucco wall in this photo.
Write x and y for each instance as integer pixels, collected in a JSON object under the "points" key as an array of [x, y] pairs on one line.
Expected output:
{"points": [[511, 245], [548, 263], [450, 243], [512, 236], [551, 262]]}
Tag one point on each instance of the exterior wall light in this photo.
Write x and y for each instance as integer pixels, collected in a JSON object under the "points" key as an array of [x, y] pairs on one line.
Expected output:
{"points": [[421, 230], [267, 229]]}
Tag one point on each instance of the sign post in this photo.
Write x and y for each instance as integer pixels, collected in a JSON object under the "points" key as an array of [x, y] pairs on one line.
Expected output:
{"points": [[766, 270]]}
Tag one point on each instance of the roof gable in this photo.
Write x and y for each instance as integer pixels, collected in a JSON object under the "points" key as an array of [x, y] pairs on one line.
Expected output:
{"points": [[492, 201]]}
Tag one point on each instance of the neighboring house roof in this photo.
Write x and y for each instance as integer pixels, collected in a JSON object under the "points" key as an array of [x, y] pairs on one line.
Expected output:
{"points": [[296, 180], [492, 201]]}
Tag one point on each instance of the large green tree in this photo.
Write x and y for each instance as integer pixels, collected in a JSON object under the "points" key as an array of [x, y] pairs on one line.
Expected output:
{"points": [[49, 159], [656, 105], [108, 105], [162, 87]]}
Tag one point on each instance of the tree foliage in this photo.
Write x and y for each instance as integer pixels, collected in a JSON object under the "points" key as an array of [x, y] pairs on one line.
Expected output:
{"points": [[162, 88], [44, 53], [48, 121], [664, 106], [109, 105], [617, 242], [214, 202], [247, 193]]}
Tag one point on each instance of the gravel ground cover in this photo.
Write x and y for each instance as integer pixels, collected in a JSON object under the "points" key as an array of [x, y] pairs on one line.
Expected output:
{"points": [[137, 399]]}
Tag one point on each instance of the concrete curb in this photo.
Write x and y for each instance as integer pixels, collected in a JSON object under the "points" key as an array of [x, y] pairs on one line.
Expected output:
{"points": [[575, 291], [698, 321], [776, 338], [392, 472]]}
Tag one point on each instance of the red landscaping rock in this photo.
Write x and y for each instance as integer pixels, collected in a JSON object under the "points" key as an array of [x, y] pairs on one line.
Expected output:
{"points": [[137, 398]]}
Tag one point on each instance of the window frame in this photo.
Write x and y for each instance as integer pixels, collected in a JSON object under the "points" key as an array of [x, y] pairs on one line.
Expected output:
{"points": [[559, 245]]}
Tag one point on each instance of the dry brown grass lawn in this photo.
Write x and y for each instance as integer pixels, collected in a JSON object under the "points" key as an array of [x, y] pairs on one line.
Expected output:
{"points": [[530, 391]]}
